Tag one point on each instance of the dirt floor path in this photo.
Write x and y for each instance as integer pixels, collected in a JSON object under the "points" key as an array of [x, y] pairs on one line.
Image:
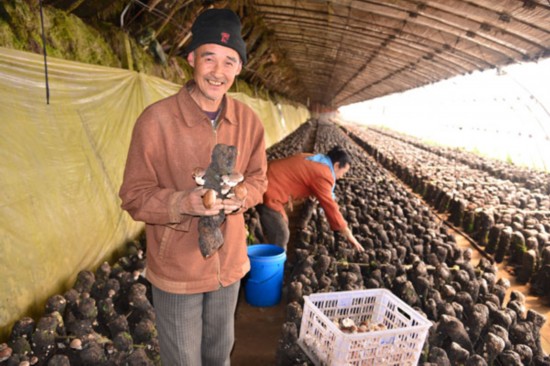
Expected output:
{"points": [[257, 333]]}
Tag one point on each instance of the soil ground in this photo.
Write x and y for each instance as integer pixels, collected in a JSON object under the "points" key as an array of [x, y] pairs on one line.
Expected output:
{"points": [[257, 333], [258, 329]]}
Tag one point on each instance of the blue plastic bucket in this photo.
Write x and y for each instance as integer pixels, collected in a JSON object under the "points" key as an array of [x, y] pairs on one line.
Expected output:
{"points": [[265, 279]]}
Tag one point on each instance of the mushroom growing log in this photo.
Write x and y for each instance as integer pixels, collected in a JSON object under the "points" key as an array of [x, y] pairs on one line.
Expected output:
{"points": [[221, 166]]}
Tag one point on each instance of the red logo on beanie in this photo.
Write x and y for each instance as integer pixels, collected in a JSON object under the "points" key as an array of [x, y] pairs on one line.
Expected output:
{"points": [[225, 37]]}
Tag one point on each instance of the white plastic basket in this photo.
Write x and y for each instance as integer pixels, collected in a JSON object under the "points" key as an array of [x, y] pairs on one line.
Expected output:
{"points": [[400, 343]]}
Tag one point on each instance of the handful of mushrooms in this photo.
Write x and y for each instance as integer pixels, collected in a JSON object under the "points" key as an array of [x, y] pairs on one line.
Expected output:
{"points": [[220, 182], [348, 325], [229, 187]]}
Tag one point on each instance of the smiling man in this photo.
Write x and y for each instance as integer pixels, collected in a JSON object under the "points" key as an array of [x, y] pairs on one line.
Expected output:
{"points": [[195, 297], [214, 73]]}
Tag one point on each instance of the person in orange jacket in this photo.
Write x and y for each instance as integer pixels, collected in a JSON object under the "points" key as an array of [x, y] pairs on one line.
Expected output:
{"points": [[296, 178]]}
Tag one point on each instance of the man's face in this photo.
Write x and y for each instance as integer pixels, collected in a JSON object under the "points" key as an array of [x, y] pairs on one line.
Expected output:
{"points": [[340, 171], [215, 68]]}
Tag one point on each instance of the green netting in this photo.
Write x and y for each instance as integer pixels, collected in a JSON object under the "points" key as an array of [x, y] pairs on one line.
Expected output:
{"points": [[61, 167]]}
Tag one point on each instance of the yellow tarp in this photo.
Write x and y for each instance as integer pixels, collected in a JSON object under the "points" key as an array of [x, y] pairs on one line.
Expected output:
{"points": [[61, 166]]}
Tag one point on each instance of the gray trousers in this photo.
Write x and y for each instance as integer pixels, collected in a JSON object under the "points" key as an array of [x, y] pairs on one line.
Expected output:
{"points": [[197, 329], [274, 226]]}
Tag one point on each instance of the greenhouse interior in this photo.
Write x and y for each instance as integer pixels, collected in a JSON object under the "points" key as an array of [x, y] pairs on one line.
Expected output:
{"points": [[428, 244]]}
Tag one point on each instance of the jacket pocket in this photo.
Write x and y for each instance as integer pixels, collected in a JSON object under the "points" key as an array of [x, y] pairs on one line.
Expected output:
{"points": [[165, 240]]}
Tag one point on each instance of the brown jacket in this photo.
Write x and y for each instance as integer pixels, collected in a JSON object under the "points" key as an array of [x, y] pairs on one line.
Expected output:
{"points": [[170, 139], [296, 178]]}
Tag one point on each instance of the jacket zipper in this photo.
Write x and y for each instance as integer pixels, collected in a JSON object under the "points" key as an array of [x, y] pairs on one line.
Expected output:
{"points": [[218, 266]]}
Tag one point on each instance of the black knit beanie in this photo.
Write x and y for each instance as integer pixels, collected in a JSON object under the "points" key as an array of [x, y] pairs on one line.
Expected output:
{"points": [[219, 26]]}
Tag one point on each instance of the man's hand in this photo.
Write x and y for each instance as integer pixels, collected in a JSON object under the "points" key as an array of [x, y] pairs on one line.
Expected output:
{"points": [[192, 204], [232, 205], [349, 236], [235, 201]]}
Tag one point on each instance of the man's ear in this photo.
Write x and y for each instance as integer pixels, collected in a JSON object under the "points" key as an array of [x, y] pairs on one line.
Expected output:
{"points": [[191, 58]]}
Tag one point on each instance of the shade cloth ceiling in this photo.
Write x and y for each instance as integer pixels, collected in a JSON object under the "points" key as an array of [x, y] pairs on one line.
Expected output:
{"points": [[337, 52]]}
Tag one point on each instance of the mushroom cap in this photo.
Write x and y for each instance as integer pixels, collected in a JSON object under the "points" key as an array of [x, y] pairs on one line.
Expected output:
{"points": [[347, 322], [225, 188], [209, 198], [5, 352], [232, 179], [198, 175], [199, 172], [240, 191], [76, 344]]}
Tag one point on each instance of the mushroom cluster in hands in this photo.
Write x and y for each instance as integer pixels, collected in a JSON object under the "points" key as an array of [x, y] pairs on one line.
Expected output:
{"points": [[230, 186], [220, 182]]}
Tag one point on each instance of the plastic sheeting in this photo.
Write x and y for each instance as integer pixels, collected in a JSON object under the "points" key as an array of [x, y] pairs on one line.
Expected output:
{"points": [[284, 118], [61, 167]]}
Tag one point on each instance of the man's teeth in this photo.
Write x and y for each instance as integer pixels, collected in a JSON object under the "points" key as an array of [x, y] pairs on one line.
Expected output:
{"points": [[217, 83]]}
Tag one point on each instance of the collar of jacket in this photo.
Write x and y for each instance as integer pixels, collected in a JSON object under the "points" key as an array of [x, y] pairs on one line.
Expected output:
{"points": [[325, 160], [186, 104]]}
